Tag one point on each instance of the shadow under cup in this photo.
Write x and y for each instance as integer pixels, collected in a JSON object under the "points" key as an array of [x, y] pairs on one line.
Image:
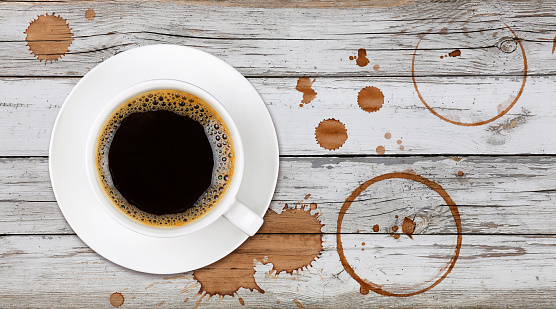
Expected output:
{"points": [[165, 159]]}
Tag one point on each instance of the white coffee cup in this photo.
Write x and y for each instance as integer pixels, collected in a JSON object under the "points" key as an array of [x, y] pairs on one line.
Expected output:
{"points": [[228, 206]]}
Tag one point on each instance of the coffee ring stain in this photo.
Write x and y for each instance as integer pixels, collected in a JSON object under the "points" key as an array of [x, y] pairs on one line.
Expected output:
{"points": [[49, 37], [478, 123], [366, 284], [331, 134]]}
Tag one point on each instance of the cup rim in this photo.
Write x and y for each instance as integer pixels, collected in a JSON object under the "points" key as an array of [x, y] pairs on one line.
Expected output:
{"points": [[213, 214]]}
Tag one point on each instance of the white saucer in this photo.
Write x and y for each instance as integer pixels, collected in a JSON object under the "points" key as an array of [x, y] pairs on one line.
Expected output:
{"points": [[67, 157]]}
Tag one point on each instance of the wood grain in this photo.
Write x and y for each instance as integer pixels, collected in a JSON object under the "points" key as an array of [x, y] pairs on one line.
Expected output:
{"points": [[61, 271], [28, 108], [295, 41], [495, 195]]}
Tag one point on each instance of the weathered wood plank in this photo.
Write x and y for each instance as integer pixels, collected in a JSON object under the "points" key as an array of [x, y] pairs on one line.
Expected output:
{"points": [[492, 271], [28, 108], [507, 195], [294, 41], [275, 4]]}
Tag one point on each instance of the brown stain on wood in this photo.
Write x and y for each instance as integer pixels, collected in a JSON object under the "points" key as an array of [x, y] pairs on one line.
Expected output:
{"points": [[290, 241], [460, 173], [478, 123], [444, 31], [376, 228], [48, 37], [241, 301], [376, 67], [380, 150], [307, 196], [160, 304], [408, 227], [313, 206], [363, 291], [299, 305], [455, 53], [117, 299], [553, 45], [362, 57], [395, 228], [367, 285], [388, 135], [370, 99], [150, 285], [331, 134], [90, 14], [304, 86], [189, 286], [198, 301]]}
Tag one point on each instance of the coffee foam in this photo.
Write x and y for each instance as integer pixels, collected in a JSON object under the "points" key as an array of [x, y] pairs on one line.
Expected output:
{"points": [[183, 104]]}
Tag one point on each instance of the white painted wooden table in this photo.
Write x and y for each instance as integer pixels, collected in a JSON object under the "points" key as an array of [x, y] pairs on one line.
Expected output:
{"points": [[460, 93]]}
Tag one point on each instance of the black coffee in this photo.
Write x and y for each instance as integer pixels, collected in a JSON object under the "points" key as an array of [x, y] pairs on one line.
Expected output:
{"points": [[165, 158]]}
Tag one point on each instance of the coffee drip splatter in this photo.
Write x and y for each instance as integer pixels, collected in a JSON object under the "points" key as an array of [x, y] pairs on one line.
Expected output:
{"points": [[48, 37]]}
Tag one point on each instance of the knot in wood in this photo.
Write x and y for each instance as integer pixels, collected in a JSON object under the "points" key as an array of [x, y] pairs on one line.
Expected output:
{"points": [[507, 44]]}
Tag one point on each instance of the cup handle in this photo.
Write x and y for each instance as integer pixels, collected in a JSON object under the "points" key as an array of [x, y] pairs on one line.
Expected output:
{"points": [[244, 218]]}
